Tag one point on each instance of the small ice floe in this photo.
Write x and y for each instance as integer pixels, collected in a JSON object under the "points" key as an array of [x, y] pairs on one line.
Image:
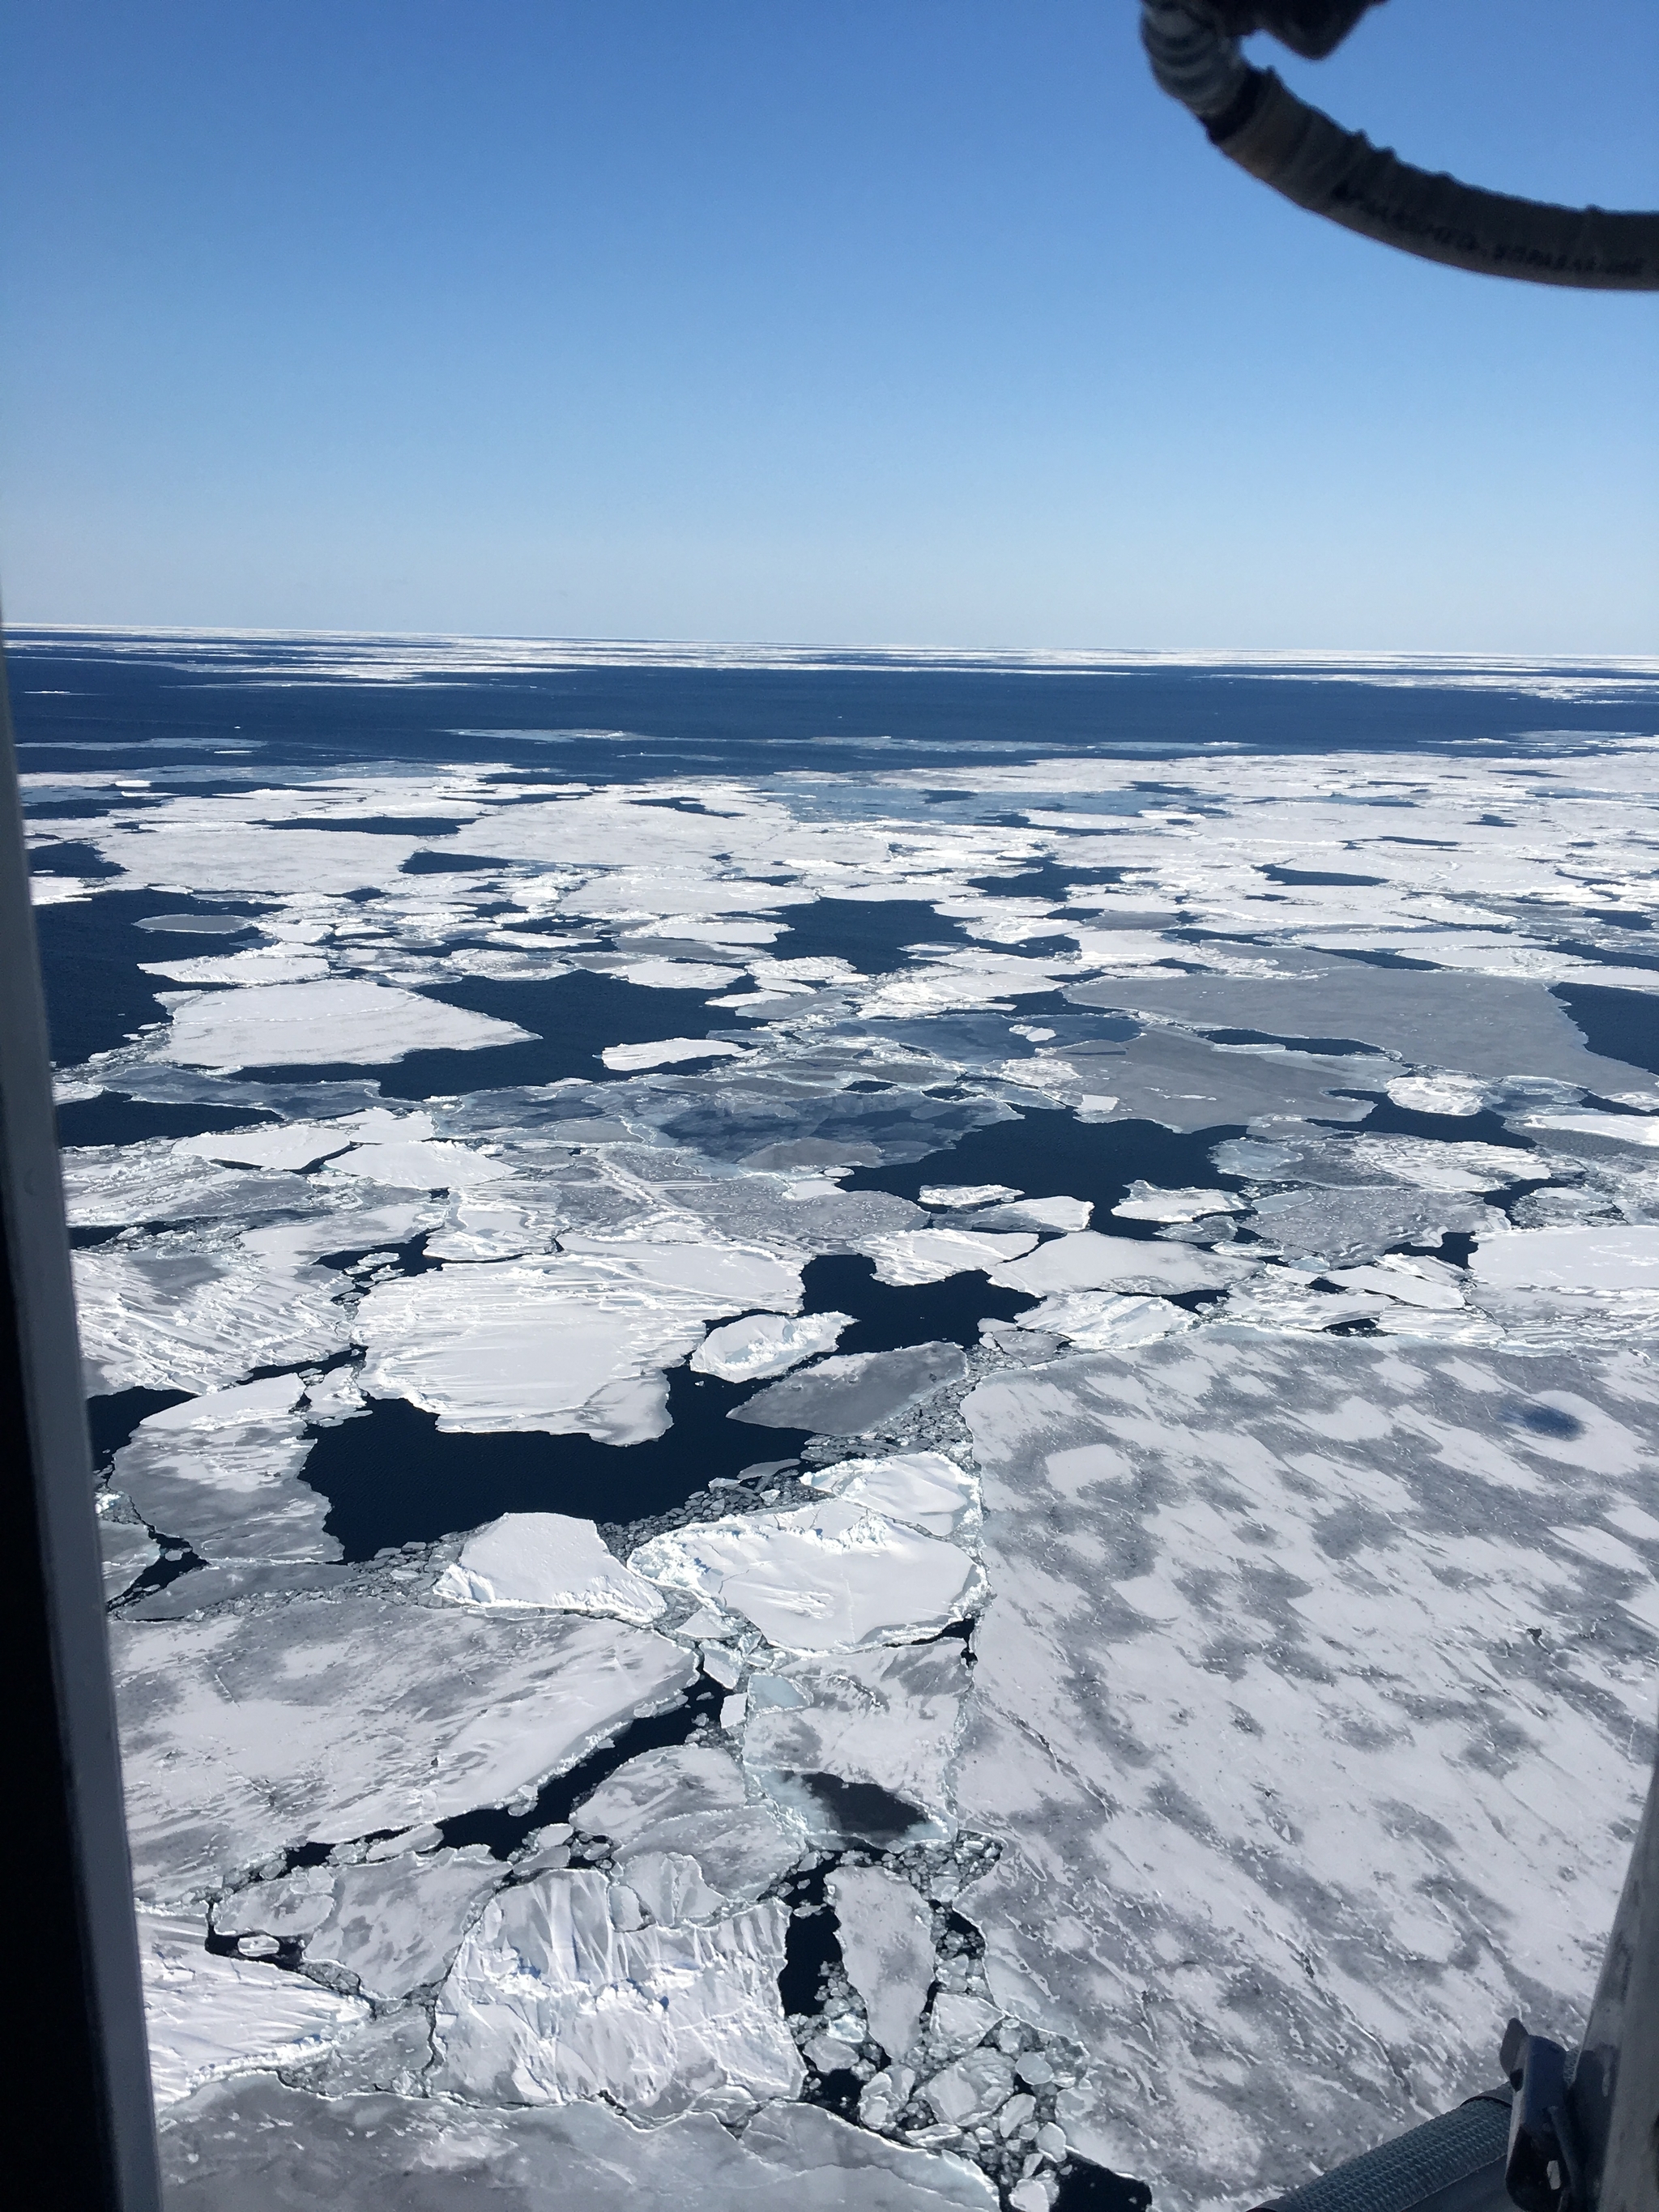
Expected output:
{"points": [[573, 1342], [247, 1734], [667, 1052], [548, 1560], [1089, 1262], [925, 1490], [946, 1195], [1348, 1227], [690, 1801], [273, 1144], [222, 1473], [1615, 1256], [1147, 1202], [315, 1024], [1287, 1298], [1058, 1213], [559, 1993], [856, 1391], [210, 2016], [828, 1577], [1454, 1095], [887, 1948], [929, 1255], [678, 975], [1429, 1164], [764, 1345], [1102, 1321]]}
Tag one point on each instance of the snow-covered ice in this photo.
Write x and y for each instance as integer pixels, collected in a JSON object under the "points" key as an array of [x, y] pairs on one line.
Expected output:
{"points": [[211, 2017], [828, 1577], [764, 1345], [321, 1719], [551, 2000], [550, 1560], [319, 1023]]}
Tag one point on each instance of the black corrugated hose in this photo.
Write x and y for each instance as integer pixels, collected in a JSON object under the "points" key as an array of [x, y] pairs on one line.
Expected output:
{"points": [[1452, 2164], [1257, 121]]}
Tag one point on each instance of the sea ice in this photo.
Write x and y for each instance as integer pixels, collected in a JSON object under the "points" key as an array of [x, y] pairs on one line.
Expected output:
{"points": [[1455, 1095], [962, 1194], [691, 1800], [326, 1718], [1089, 1262], [1101, 1320], [929, 1255], [260, 2145], [209, 2016], [315, 1024], [394, 1924], [1038, 1213], [1613, 1257], [550, 1560], [195, 1309], [925, 1490], [1269, 1712], [573, 1342], [271, 1144], [766, 1345], [826, 1577], [887, 1948], [222, 1473], [1148, 1202], [550, 2000], [667, 1052], [856, 1391], [884, 1722]]}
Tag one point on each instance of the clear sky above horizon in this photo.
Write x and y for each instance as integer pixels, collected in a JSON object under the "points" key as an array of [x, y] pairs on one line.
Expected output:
{"points": [[881, 321]]}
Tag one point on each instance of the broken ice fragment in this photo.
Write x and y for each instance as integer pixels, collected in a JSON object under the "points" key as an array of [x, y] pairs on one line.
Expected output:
{"points": [[946, 1194], [828, 1577], [881, 1721], [969, 2089], [887, 1947], [549, 2001], [766, 1345], [546, 1559], [668, 1052], [1458, 1094], [930, 1255], [1148, 1202], [1061, 1213]]}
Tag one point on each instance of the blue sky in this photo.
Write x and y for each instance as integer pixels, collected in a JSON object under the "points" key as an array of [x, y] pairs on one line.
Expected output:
{"points": [[874, 320]]}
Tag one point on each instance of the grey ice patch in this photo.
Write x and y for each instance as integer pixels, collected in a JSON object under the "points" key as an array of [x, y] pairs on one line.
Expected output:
{"points": [[1283, 1639], [1483, 1025], [261, 2146], [223, 1472], [1163, 1075], [855, 1391], [1344, 1227]]}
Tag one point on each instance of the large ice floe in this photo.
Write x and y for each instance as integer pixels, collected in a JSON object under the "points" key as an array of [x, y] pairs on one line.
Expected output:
{"points": [[863, 1483]]}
